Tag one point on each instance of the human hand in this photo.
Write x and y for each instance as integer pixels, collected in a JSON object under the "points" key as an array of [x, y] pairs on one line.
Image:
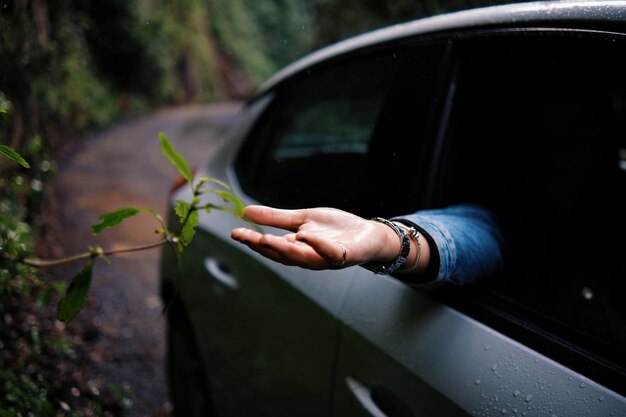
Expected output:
{"points": [[320, 238]]}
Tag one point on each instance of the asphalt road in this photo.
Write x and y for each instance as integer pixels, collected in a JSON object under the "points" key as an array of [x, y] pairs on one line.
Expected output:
{"points": [[122, 325]]}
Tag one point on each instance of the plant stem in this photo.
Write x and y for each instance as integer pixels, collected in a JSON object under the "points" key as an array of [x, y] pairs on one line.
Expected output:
{"points": [[136, 248], [42, 263]]}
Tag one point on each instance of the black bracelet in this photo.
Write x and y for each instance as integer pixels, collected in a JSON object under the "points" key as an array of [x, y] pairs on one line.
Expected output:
{"points": [[405, 247]]}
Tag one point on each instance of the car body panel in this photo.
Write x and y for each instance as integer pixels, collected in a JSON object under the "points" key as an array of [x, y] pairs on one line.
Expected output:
{"points": [[449, 354]]}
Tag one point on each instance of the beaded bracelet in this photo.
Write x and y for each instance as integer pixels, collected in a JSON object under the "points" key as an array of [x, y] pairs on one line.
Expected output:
{"points": [[405, 247]]}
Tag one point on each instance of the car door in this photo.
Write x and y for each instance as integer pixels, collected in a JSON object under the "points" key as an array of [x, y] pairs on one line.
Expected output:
{"points": [[536, 134]]}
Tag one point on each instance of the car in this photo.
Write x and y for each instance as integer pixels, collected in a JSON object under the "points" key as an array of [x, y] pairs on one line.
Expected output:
{"points": [[519, 107]]}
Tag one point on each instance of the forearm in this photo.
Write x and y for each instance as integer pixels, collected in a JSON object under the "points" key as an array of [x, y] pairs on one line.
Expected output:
{"points": [[456, 245], [464, 242]]}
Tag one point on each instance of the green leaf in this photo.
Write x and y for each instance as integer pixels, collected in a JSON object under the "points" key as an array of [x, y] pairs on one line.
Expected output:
{"points": [[114, 218], [189, 228], [189, 219], [175, 158], [181, 209], [215, 181], [76, 296], [238, 206], [11, 154]]}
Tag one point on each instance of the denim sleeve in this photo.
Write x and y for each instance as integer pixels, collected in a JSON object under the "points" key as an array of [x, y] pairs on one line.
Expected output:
{"points": [[468, 241]]}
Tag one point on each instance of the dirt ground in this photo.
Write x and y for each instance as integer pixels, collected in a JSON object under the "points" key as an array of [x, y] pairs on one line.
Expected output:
{"points": [[122, 328]]}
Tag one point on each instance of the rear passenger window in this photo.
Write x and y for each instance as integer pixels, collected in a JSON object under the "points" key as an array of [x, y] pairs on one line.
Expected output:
{"points": [[538, 135], [339, 135]]}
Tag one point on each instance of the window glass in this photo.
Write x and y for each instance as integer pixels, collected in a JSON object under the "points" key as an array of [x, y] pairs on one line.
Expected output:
{"points": [[336, 124], [539, 137], [342, 135]]}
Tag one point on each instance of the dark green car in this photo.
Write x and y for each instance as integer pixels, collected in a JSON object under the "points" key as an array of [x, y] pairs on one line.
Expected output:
{"points": [[523, 105]]}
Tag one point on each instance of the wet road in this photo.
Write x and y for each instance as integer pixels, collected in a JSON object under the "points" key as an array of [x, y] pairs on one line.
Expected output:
{"points": [[119, 167]]}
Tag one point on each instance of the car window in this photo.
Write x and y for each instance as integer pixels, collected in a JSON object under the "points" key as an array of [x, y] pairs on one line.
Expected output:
{"points": [[338, 134], [335, 124], [538, 135]]}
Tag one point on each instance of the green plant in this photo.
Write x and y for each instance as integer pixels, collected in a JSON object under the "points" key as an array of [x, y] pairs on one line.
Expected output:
{"points": [[77, 292]]}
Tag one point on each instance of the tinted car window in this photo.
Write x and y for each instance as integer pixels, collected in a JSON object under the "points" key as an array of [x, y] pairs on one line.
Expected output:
{"points": [[350, 135], [538, 136]]}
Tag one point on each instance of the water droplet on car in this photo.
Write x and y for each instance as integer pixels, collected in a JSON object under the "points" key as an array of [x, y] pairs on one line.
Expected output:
{"points": [[516, 393], [582, 385], [601, 398], [528, 398], [477, 382], [587, 293], [487, 347]]}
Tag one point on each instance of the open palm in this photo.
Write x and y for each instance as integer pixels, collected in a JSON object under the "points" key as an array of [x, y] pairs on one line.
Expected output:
{"points": [[320, 238]]}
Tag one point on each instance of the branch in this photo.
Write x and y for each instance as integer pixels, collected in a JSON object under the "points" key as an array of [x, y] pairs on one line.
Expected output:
{"points": [[94, 253]]}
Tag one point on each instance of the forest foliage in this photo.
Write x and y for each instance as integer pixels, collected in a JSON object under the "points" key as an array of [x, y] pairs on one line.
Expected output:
{"points": [[82, 64]]}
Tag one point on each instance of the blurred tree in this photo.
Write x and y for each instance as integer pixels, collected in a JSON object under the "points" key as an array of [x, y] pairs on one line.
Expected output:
{"points": [[46, 70], [183, 48], [285, 28], [336, 20], [119, 44]]}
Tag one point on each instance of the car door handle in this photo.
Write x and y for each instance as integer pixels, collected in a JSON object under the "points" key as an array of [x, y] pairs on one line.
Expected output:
{"points": [[378, 404], [220, 274]]}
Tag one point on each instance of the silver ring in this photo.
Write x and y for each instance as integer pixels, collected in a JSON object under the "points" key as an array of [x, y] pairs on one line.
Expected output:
{"points": [[341, 262]]}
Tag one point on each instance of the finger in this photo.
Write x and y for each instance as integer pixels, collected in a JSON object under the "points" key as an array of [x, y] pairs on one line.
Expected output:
{"points": [[290, 237], [257, 242], [244, 235], [251, 237], [331, 251], [268, 216], [270, 254], [283, 249], [293, 253]]}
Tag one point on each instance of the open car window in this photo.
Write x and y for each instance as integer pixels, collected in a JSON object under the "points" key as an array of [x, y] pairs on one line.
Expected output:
{"points": [[538, 135], [342, 135]]}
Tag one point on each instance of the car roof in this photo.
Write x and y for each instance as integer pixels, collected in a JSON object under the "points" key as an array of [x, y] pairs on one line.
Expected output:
{"points": [[519, 13]]}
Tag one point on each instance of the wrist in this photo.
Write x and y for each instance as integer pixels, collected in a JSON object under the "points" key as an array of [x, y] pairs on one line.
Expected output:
{"points": [[389, 244], [402, 247]]}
